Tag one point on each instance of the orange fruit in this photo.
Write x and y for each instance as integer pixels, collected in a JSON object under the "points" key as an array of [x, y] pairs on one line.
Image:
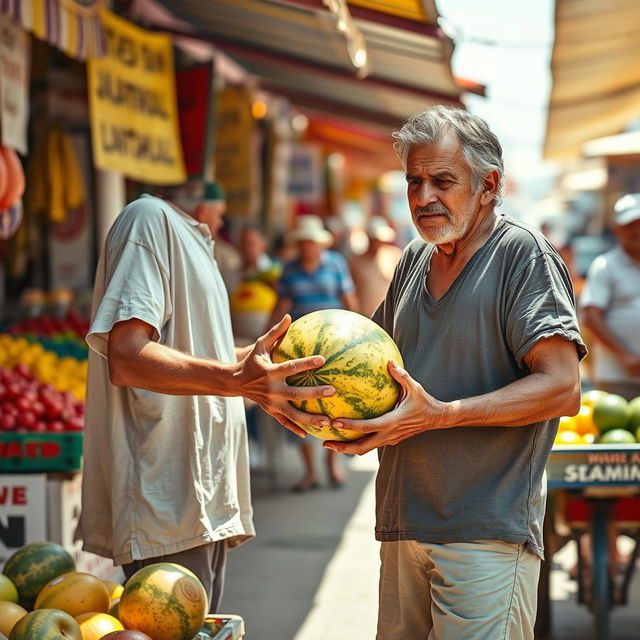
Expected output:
{"points": [[96, 625], [584, 421], [566, 423]]}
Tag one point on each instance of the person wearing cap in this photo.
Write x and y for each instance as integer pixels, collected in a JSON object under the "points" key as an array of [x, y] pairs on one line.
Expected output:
{"points": [[481, 308], [165, 445], [372, 270], [317, 279], [214, 206], [610, 304]]}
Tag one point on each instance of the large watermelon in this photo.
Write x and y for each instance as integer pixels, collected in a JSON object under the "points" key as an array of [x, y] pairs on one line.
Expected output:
{"points": [[46, 624], [357, 352], [32, 566], [165, 601]]}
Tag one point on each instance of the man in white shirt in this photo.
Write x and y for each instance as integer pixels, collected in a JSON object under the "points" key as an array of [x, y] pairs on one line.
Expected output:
{"points": [[611, 305], [166, 467]]}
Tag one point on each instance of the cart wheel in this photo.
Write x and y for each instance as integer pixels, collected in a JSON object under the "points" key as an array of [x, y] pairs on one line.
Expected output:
{"points": [[601, 585]]}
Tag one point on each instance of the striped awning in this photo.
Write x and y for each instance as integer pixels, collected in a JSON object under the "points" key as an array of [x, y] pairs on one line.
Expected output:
{"points": [[73, 26]]}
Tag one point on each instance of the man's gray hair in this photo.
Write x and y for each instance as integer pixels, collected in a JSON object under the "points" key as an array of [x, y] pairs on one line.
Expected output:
{"points": [[480, 146]]}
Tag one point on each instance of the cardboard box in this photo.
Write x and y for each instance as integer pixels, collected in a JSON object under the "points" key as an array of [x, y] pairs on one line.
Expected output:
{"points": [[36, 508]]}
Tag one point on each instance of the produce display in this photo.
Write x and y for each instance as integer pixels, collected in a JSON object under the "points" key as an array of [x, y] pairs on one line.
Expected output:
{"points": [[43, 376], [357, 352], [604, 418], [162, 601]]}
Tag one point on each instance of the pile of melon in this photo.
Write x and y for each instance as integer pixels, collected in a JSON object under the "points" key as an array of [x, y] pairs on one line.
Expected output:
{"points": [[43, 597]]}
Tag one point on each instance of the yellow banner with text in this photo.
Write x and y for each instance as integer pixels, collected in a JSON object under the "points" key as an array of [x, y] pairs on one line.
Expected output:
{"points": [[132, 100]]}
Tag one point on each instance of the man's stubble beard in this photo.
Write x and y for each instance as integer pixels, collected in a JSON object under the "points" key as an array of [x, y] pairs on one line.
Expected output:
{"points": [[450, 233]]}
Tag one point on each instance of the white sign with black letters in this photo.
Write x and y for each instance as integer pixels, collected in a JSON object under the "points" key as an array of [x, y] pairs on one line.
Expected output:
{"points": [[22, 512]]}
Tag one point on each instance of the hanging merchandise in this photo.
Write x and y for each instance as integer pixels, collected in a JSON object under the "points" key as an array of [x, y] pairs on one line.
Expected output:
{"points": [[55, 181], [10, 220], [14, 187]]}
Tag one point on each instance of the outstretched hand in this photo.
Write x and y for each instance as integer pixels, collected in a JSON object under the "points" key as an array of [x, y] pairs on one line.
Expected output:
{"points": [[416, 412], [264, 381]]}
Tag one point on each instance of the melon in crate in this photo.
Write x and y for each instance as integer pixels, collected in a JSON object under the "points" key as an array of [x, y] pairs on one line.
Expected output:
{"points": [[165, 601]]}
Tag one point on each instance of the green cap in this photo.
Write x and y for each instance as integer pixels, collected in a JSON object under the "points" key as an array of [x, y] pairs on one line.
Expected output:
{"points": [[213, 191]]}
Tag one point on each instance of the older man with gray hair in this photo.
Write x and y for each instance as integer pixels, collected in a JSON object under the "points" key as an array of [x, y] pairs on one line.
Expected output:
{"points": [[482, 309]]}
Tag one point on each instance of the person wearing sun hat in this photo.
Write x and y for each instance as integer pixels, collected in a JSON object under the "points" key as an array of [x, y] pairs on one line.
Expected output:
{"points": [[317, 279], [610, 304]]}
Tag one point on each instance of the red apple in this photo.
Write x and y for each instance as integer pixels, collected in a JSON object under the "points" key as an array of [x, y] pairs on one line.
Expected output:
{"points": [[74, 424], [56, 426], [128, 634], [8, 422]]}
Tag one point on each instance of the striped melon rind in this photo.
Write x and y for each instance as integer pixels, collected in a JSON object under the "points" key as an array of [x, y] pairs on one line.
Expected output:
{"points": [[357, 352], [33, 566], [46, 624], [165, 601]]}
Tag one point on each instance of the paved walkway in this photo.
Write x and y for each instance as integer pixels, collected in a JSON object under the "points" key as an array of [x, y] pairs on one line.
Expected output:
{"points": [[311, 573]]}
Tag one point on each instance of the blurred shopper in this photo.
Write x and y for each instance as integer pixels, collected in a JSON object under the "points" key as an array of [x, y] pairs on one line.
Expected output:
{"points": [[317, 279], [165, 447], [372, 270], [611, 305], [482, 310], [226, 255], [256, 262]]}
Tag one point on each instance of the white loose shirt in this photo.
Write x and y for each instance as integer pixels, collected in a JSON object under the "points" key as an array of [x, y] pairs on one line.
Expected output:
{"points": [[613, 284], [162, 473]]}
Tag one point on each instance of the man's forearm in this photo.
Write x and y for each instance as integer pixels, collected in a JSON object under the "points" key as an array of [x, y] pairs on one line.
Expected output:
{"points": [[156, 367], [536, 397]]}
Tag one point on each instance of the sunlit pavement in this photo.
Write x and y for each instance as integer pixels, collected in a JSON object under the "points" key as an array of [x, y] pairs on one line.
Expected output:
{"points": [[312, 571]]}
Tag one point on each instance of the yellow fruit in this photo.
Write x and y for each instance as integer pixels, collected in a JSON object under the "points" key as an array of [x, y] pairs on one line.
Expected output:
{"points": [[115, 589], [8, 591], [10, 613], [74, 593], [96, 625], [568, 437]]}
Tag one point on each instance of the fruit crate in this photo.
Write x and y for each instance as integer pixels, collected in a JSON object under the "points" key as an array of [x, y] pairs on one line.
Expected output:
{"points": [[40, 452], [220, 626]]}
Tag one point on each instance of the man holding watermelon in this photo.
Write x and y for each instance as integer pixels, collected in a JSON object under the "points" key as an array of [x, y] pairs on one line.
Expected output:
{"points": [[482, 310], [166, 465]]}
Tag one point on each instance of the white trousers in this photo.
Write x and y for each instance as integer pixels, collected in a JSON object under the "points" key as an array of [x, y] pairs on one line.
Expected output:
{"points": [[482, 590]]}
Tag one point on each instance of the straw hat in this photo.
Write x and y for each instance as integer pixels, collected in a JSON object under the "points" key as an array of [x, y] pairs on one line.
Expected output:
{"points": [[627, 209], [378, 228], [310, 227]]}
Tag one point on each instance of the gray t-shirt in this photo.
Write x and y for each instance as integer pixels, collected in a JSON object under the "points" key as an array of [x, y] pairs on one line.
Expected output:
{"points": [[473, 483]]}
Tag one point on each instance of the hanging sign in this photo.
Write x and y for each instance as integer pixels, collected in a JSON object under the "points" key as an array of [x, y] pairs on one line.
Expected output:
{"points": [[195, 108], [235, 162], [14, 84], [132, 99]]}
